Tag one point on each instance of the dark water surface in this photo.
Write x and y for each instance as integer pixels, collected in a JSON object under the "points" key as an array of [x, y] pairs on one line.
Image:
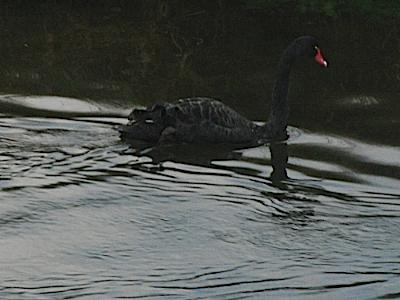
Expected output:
{"points": [[84, 216]]}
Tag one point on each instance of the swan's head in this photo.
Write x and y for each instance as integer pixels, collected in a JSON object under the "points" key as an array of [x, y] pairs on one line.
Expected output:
{"points": [[308, 46]]}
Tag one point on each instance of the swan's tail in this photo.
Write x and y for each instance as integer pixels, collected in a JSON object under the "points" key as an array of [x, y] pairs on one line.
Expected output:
{"points": [[145, 124]]}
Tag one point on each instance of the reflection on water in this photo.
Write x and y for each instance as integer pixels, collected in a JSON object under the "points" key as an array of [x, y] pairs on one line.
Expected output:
{"points": [[83, 215]]}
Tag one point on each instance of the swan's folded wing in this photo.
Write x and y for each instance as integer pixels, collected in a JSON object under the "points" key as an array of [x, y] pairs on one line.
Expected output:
{"points": [[189, 120], [208, 120]]}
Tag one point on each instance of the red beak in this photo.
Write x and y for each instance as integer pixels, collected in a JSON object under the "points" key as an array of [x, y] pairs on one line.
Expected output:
{"points": [[319, 58]]}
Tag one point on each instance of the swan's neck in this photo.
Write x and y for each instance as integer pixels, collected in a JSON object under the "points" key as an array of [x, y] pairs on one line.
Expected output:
{"points": [[278, 118]]}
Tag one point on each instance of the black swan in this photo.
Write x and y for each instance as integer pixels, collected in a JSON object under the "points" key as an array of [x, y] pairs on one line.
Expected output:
{"points": [[205, 120]]}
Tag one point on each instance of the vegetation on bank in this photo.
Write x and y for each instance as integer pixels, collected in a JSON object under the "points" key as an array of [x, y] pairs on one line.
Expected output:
{"points": [[377, 9], [144, 51]]}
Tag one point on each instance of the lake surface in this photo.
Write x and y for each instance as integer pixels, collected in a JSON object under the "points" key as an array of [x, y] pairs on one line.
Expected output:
{"points": [[85, 216]]}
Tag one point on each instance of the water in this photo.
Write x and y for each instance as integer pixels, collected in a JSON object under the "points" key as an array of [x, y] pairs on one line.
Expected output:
{"points": [[83, 215]]}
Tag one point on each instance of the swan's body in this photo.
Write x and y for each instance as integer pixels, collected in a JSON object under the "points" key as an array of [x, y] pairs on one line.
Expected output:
{"points": [[191, 120], [205, 120]]}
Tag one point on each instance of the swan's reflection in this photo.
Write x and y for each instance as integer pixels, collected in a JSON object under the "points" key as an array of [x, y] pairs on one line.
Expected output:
{"points": [[294, 198], [279, 161], [207, 155]]}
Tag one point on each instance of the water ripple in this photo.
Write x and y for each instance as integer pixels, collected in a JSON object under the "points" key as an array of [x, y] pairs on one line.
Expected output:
{"points": [[82, 215]]}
